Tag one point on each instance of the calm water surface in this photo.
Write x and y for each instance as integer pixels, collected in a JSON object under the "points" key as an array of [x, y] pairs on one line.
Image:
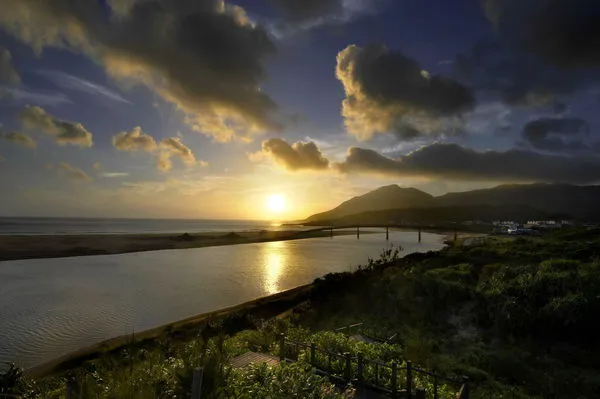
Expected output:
{"points": [[49, 307]]}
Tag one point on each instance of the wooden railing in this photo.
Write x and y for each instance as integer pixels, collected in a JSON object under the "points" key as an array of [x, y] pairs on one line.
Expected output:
{"points": [[395, 379]]}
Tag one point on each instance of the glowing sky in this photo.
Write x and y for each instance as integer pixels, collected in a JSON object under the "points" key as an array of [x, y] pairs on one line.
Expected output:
{"points": [[209, 109]]}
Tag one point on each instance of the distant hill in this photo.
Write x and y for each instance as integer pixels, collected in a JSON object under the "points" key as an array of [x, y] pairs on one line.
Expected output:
{"points": [[392, 203], [578, 201], [384, 198]]}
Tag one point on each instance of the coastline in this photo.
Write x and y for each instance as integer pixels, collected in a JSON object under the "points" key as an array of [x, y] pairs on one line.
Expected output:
{"points": [[20, 247]]}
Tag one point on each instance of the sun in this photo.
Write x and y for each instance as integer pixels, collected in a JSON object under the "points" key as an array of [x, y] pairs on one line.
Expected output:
{"points": [[276, 203]]}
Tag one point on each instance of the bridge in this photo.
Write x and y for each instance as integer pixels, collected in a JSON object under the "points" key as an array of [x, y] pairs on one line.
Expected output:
{"points": [[387, 228]]}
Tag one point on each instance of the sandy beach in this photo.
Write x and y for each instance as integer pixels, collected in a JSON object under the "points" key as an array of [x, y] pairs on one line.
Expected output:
{"points": [[57, 246]]}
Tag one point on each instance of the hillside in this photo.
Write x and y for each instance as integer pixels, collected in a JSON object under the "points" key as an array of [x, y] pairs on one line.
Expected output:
{"points": [[392, 203], [384, 198], [437, 215], [579, 201]]}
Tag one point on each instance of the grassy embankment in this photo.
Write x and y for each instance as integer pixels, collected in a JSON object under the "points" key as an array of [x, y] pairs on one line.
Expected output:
{"points": [[518, 316]]}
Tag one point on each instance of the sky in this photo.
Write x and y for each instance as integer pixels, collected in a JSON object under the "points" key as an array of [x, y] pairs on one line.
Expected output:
{"points": [[221, 109]]}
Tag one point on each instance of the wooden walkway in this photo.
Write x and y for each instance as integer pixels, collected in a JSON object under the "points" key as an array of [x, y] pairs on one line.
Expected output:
{"points": [[249, 358]]}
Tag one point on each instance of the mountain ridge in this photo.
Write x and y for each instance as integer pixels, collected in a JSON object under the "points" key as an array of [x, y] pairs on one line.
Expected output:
{"points": [[382, 198], [579, 202]]}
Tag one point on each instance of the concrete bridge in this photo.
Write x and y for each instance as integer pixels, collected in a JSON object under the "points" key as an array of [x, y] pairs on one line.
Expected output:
{"points": [[371, 226]]}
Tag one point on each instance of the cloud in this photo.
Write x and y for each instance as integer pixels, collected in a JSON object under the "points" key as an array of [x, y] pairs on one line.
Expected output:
{"points": [[301, 15], [206, 57], [517, 77], [97, 166], [164, 151], [565, 33], [19, 138], [557, 134], [298, 156], [122, 7], [70, 171], [67, 81], [305, 10], [454, 162], [135, 140], [489, 117], [64, 132], [23, 96], [560, 108], [388, 92], [8, 74], [544, 50], [114, 174], [173, 147]]}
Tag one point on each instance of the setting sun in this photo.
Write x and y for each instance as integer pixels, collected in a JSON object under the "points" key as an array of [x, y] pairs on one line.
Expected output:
{"points": [[276, 203]]}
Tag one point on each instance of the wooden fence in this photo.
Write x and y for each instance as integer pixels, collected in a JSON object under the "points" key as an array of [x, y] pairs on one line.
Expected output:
{"points": [[391, 378]]}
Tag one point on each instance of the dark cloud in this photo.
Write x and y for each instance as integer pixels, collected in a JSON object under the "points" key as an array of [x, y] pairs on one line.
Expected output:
{"points": [[518, 78], [557, 134], [63, 132], [545, 50], [454, 162], [560, 108], [565, 33], [298, 156], [388, 92], [8, 74], [305, 10], [19, 138], [204, 56]]}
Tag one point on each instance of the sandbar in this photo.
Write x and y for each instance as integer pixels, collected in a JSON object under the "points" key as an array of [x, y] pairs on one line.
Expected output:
{"points": [[16, 247]]}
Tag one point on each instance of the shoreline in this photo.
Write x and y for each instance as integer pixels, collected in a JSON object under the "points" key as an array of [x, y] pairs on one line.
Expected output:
{"points": [[21, 247], [270, 306]]}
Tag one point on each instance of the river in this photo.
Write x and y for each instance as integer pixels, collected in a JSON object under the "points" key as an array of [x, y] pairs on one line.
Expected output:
{"points": [[49, 307]]}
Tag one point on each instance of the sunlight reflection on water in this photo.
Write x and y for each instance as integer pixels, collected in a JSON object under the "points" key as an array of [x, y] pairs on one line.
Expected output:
{"points": [[275, 261]]}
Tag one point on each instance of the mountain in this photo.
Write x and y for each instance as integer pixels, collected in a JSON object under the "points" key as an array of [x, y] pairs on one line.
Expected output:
{"points": [[506, 201], [384, 198]]}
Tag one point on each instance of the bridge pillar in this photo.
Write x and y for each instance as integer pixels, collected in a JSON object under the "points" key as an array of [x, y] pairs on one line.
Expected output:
{"points": [[387, 233]]}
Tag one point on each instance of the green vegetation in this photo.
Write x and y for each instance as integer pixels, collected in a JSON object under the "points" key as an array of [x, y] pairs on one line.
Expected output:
{"points": [[516, 316], [165, 371]]}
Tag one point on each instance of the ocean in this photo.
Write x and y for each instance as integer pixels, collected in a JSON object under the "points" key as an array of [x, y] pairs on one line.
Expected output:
{"points": [[75, 226]]}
